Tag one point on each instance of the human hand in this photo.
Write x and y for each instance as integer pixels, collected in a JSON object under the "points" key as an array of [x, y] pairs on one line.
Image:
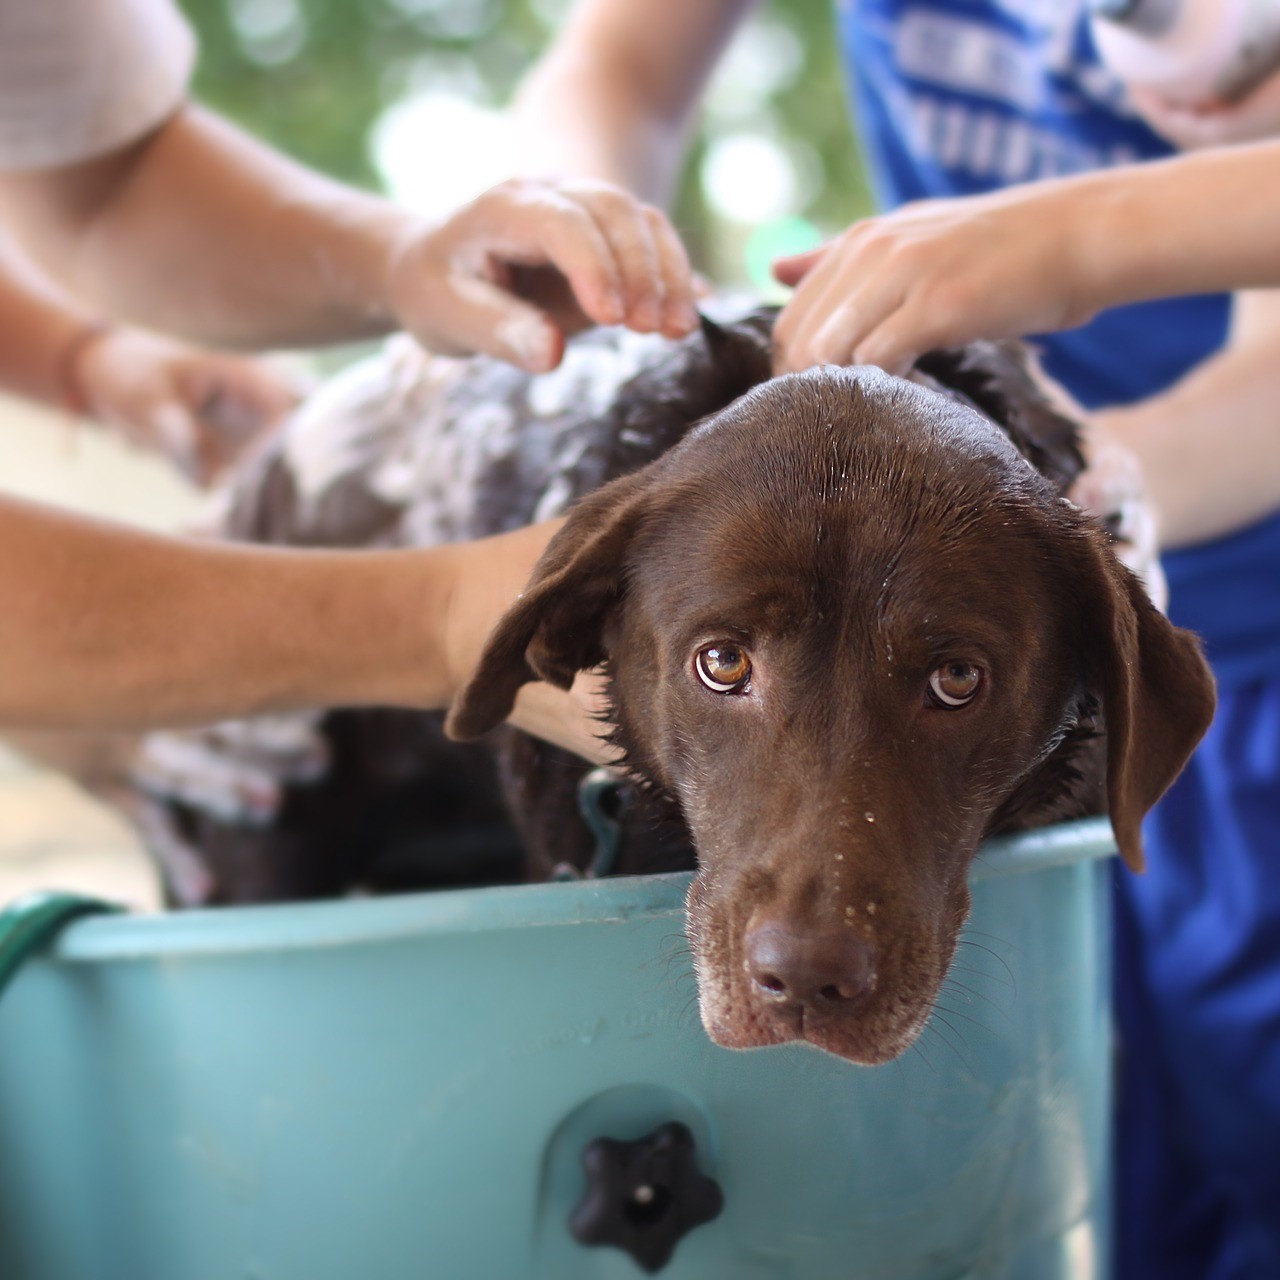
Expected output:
{"points": [[487, 577], [527, 263], [1214, 124], [201, 410], [933, 274], [573, 720]]}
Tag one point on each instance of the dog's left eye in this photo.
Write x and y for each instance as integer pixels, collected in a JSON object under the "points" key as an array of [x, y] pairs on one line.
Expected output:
{"points": [[955, 683], [723, 668]]}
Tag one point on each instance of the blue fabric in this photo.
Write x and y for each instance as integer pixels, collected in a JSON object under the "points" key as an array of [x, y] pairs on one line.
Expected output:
{"points": [[1198, 1006], [959, 96], [955, 97]]}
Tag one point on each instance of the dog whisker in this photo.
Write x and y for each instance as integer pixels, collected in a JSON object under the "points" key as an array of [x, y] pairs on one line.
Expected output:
{"points": [[1006, 990], [690, 1007], [995, 955], [935, 1025], [916, 1049], [970, 996], [952, 1012]]}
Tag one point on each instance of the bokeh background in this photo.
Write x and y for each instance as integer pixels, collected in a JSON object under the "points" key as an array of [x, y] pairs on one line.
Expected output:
{"points": [[406, 96]]}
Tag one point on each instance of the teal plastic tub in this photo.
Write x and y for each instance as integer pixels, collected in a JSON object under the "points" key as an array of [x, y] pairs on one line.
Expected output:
{"points": [[403, 1089]]}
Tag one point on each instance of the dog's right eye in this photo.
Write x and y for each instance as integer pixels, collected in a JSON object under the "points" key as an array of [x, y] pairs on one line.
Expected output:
{"points": [[723, 668], [954, 684]]}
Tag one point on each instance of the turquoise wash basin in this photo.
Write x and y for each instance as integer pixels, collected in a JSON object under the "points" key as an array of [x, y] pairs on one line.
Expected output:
{"points": [[403, 1088]]}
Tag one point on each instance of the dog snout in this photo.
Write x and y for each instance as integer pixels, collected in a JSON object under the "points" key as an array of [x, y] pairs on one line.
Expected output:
{"points": [[822, 973]]}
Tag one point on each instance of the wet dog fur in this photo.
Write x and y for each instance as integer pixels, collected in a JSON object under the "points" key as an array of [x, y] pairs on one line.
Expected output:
{"points": [[867, 545], [852, 539]]}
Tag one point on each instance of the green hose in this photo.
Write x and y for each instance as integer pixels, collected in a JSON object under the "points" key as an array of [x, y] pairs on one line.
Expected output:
{"points": [[30, 924]]}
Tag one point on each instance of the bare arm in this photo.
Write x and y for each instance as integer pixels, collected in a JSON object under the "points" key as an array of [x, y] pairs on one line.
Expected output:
{"points": [[38, 326], [1033, 258], [1210, 446], [265, 252], [105, 627], [615, 96], [199, 230]]}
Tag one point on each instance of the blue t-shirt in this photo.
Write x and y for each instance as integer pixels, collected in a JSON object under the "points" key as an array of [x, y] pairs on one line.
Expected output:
{"points": [[960, 96]]}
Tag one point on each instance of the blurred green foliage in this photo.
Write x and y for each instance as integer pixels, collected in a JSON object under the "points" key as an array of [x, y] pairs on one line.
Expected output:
{"points": [[312, 76]]}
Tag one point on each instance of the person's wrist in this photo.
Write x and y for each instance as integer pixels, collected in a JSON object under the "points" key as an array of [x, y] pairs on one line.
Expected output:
{"points": [[1128, 427], [71, 379], [1126, 251], [404, 276], [368, 235], [479, 582], [1089, 228], [448, 614]]}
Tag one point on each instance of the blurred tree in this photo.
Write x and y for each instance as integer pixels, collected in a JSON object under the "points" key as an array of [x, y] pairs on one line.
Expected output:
{"points": [[312, 77]]}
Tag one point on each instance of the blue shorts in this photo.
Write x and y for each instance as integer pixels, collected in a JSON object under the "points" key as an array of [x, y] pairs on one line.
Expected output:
{"points": [[1197, 988]]}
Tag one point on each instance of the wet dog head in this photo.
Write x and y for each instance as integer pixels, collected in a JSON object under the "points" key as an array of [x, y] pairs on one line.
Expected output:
{"points": [[845, 624]]}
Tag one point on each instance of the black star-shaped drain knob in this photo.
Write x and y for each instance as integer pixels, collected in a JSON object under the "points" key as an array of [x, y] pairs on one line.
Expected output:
{"points": [[643, 1197]]}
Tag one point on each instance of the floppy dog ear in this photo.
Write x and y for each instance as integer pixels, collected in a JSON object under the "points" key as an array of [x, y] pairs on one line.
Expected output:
{"points": [[553, 631], [1157, 693]]}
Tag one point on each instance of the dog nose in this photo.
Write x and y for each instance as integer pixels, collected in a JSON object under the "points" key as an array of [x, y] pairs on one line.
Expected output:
{"points": [[826, 973]]}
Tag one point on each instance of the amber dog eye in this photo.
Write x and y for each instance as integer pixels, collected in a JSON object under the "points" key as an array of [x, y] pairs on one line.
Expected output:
{"points": [[955, 683], [723, 668]]}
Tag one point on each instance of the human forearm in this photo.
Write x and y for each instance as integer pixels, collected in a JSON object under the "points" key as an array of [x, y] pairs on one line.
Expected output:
{"points": [[107, 627], [1033, 258], [572, 118], [267, 253], [102, 627], [615, 96], [37, 330], [199, 230], [1201, 223], [1210, 446]]}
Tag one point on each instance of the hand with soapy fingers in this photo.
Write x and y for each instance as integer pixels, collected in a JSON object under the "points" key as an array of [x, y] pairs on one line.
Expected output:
{"points": [[932, 274], [1031, 259], [527, 263]]}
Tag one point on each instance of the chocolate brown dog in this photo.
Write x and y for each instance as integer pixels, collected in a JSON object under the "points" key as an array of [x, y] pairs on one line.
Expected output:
{"points": [[853, 631], [851, 627]]}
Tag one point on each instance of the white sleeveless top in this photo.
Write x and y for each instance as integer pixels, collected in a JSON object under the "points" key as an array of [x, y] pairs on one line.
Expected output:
{"points": [[79, 78]]}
